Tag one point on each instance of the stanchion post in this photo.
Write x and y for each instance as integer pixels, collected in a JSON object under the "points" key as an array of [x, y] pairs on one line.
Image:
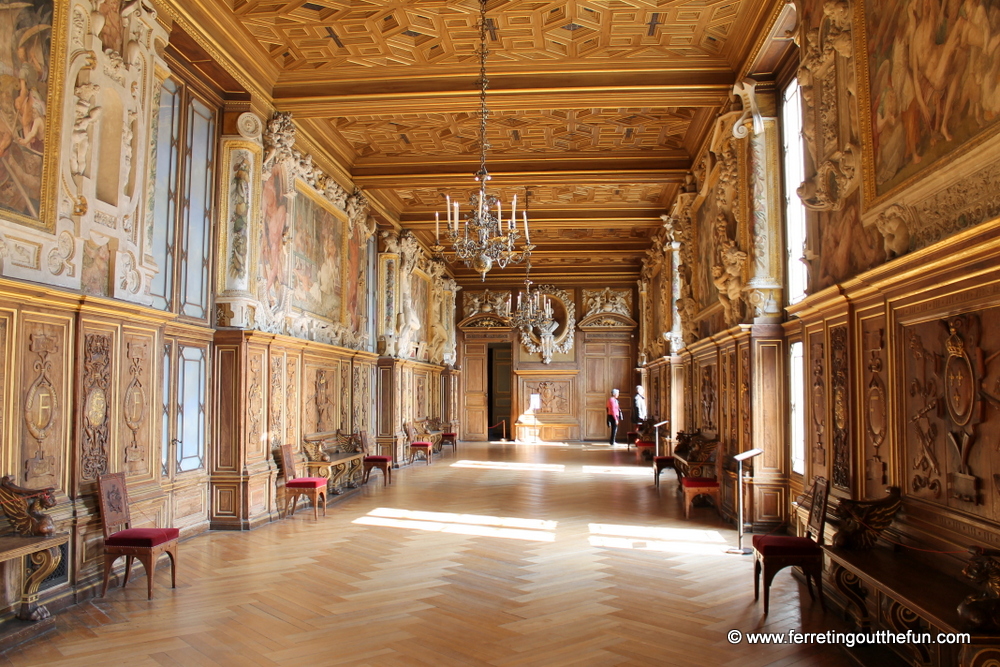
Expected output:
{"points": [[739, 549]]}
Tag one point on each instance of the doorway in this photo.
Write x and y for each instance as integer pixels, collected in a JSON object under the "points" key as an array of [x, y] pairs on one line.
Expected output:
{"points": [[499, 383]]}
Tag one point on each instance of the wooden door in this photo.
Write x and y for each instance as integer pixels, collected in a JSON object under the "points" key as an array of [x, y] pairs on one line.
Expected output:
{"points": [[476, 408], [501, 393]]}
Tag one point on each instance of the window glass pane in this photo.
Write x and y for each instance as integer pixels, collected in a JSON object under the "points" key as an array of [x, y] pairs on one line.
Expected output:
{"points": [[794, 175], [191, 383], [167, 433], [164, 204], [198, 212], [797, 397]]}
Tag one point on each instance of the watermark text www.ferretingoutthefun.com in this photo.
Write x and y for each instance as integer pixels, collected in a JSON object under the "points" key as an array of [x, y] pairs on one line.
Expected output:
{"points": [[849, 639]]}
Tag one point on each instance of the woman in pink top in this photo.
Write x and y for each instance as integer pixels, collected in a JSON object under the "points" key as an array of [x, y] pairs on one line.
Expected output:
{"points": [[614, 415]]}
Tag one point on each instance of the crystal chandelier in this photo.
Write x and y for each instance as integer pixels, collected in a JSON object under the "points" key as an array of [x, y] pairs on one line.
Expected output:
{"points": [[534, 312], [483, 238]]}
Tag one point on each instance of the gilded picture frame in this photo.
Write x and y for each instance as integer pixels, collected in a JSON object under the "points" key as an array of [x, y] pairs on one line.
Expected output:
{"points": [[43, 215]]}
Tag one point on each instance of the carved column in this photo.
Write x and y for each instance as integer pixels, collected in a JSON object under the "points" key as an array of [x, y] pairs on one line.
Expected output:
{"points": [[239, 221]]}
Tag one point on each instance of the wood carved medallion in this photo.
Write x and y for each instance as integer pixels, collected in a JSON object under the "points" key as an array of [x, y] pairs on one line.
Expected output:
{"points": [[41, 406], [96, 382], [134, 407], [818, 404]]}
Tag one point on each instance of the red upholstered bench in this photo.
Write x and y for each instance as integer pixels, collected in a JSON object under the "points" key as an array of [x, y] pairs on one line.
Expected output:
{"points": [[659, 464], [698, 486], [631, 438], [644, 450]]}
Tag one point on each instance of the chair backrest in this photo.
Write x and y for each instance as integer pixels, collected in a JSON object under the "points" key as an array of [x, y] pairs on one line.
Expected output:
{"points": [[288, 462], [366, 442], [112, 495], [817, 513], [411, 433]]}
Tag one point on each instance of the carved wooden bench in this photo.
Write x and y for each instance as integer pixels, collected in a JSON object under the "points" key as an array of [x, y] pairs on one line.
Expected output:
{"points": [[894, 592], [694, 455], [44, 553], [335, 456], [428, 430]]}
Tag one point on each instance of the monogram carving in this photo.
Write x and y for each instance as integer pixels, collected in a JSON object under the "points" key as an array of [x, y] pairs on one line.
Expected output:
{"points": [[841, 476], [41, 406], [97, 386], [876, 409], [134, 406]]}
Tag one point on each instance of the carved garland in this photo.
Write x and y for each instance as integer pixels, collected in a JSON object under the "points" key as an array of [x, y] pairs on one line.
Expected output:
{"points": [[97, 381], [841, 476], [818, 405]]}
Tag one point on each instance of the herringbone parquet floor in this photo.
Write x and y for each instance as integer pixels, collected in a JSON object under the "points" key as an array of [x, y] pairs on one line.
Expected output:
{"points": [[499, 555]]}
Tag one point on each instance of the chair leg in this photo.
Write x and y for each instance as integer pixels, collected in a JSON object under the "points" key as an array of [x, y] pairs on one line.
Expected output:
{"points": [[129, 560], [173, 567], [756, 578], [109, 563], [149, 562]]}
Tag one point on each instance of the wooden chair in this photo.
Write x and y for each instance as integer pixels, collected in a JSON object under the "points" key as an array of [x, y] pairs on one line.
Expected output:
{"points": [[631, 438], [774, 552], [450, 438], [383, 463], [120, 539], [426, 449], [312, 487], [660, 463], [692, 487]]}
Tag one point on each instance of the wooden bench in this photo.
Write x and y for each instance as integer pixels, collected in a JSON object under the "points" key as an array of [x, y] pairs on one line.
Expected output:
{"points": [[694, 455], [335, 456], [892, 592], [428, 430]]}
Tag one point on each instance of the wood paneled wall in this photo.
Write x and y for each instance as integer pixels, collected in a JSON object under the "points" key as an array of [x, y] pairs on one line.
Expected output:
{"points": [[410, 391], [273, 390]]}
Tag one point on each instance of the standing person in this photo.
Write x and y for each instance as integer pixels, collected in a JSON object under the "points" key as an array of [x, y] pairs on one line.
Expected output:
{"points": [[614, 415], [639, 407]]}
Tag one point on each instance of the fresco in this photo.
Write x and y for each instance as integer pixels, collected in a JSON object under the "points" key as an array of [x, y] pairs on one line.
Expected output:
{"points": [[317, 258], [274, 229], [934, 81], [25, 47]]}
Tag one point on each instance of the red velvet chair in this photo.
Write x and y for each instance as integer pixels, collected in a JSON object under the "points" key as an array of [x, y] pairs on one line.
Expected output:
{"points": [[312, 487], [450, 438], [774, 552], [692, 487], [660, 463], [425, 449], [120, 539], [383, 463]]}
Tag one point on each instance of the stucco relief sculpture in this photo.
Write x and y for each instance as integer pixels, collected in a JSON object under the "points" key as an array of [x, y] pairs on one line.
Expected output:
{"points": [[556, 331], [486, 302], [727, 274], [893, 224], [608, 300]]}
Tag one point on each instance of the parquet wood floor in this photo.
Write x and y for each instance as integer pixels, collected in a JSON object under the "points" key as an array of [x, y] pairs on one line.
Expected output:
{"points": [[581, 561]]}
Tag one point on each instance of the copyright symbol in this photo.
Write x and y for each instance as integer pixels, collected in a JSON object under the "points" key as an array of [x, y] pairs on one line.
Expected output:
{"points": [[734, 636]]}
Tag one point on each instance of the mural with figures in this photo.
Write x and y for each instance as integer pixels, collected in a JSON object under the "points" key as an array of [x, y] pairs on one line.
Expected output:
{"points": [[356, 281], [317, 257], [273, 232], [934, 81], [25, 46]]}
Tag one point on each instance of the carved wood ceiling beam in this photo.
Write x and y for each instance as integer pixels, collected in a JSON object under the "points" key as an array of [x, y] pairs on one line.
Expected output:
{"points": [[366, 178]]}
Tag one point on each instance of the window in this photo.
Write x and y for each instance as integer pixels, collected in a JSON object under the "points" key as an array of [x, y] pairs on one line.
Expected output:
{"points": [[182, 203], [794, 175], [797, 407]]}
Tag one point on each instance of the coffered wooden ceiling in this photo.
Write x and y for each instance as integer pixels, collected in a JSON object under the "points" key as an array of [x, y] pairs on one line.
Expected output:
{"points": [[597, 107]]}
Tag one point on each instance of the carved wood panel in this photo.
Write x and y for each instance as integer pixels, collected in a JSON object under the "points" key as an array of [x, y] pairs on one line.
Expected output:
{"points": [[875, 407], [840, 407], [293, 406], [256, 404], [138, 391], [44, 401], [276, 398], [816, 401], [97, 400]]}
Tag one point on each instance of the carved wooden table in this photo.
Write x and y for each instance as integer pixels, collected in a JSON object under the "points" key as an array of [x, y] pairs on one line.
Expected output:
{"points": [[889, 591], [340, 471], [45, 556]]}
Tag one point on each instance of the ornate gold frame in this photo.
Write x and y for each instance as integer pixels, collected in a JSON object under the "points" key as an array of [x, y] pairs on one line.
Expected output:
{"points": [[52, 158]]}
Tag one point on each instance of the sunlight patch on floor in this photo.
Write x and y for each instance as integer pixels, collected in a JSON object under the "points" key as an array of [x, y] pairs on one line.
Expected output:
{"points": [[508, 465], [651, 538], [462, 524], [617, 470]]}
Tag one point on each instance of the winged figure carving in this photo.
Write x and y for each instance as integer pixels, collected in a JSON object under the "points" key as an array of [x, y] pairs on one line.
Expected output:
{"points": [[863, 520], [23, 508]]}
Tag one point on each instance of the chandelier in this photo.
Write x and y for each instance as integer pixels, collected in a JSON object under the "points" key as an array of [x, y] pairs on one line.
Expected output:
{"points": [[483, 238], [534, 312]]}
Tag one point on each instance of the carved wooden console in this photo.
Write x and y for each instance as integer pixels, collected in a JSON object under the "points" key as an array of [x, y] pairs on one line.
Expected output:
{"points": [[44, 554], [888, 591], [336, 457]]}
